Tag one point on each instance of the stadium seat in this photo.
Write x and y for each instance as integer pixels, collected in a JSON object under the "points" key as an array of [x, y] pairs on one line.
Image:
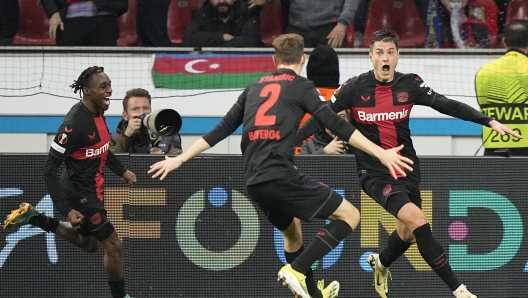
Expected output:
{"points": [[33, 26], [180, 15], [517, 9], [127, 26], [398, 15], [271, 22]]}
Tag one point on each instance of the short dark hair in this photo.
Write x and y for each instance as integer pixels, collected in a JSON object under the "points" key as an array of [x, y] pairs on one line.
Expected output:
{"points": [[136, 92], [289, 49], [85, 78], [385, 35], [516, 34]]}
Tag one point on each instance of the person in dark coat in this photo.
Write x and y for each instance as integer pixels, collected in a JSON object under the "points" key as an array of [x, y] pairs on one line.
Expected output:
{"points": [[84, 23], [223, 23]]}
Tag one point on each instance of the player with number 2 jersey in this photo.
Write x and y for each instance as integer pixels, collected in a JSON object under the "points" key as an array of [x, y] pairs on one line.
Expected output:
{"points": [[270, 110]]}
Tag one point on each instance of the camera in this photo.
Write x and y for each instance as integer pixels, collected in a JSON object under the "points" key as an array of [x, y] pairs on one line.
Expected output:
{"points": [[162, 122]]}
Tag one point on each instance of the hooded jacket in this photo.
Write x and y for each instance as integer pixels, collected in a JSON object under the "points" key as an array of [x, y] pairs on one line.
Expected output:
{"points": [[207, 30], [117, 7], [141, 142], [323, 67]]}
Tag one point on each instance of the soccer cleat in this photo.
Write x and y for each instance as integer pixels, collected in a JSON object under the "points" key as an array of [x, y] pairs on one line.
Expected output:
{"points": [[295, 280], [20, 216], [381, 276], [331, 291], [464, 293]]}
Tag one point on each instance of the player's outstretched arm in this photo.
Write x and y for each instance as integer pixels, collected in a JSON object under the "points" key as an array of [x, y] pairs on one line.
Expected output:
{"points": [[388, 157], [162, 168], [503, 129]]}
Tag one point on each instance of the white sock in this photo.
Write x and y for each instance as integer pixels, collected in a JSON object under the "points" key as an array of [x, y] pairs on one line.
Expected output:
{"points": [[457, 291]]}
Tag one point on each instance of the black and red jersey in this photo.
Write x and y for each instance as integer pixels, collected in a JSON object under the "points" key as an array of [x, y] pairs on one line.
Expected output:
{"points": [[82, 143], [270, 110], [381, 112]]}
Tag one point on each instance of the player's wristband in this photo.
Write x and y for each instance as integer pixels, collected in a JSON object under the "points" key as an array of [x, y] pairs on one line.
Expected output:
{"points": [[124, 135]]}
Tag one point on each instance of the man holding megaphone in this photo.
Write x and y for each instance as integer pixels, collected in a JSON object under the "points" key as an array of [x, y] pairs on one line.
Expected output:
{"points": [[144, 131]]}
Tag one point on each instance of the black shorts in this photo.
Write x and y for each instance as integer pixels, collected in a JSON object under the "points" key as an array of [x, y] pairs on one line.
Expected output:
{"points": [[299, 196], [95, 223], [392, 194]]}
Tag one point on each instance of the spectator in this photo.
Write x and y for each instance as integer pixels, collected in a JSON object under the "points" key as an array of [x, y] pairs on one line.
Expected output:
{"points": [[151, 23], [502, 6], [323, 70], [9, 11], [131, 136], [84, 22], [473, 23], [502, 85], [326, 142], [322, 22], [223, 23]]}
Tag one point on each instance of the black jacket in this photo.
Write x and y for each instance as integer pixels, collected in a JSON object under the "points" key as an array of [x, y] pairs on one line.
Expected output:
{"points": [[117, 7], [141, 142], [206, 30]]}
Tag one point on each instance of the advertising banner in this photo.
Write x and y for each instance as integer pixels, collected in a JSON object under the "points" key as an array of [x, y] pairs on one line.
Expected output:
{"points": [[197, 234]]}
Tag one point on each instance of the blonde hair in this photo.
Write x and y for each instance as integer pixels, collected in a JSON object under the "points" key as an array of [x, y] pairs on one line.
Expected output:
{"points": [[289, 49]]}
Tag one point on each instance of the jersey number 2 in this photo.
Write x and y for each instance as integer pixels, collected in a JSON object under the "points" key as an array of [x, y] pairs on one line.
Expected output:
{"points": [[272, 92]]}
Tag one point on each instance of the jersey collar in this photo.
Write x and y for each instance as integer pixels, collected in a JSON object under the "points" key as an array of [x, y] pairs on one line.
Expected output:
{"points": [[87, 110], [286, 70], [517, 51]]}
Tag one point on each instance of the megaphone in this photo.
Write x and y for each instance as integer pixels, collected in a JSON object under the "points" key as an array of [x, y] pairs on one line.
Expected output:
{"points": [[162, 122]]}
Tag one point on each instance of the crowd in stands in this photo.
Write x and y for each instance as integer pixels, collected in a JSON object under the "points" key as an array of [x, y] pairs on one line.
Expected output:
{"points": [[254, 23]]}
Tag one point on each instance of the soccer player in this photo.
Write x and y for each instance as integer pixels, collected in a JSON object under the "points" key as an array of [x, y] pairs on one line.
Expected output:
{"points": [[270, 110], [380, 101], [82, 143]]}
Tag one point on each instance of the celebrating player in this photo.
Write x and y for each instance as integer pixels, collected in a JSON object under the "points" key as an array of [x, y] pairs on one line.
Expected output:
{"points": [[381, 102], [270, 110], [82, 143]]}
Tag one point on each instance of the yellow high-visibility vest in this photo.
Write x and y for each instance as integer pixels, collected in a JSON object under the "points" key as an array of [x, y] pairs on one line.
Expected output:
{"points": [[502, 93]]}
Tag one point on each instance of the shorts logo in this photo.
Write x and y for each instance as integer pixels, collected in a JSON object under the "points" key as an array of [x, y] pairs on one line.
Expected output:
{"points": [[387, 190], [68, 130], [402, 96], [95, 219], [321, 233], [62, 138]]}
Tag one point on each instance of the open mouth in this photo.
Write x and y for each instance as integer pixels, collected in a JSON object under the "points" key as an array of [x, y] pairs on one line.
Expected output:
{"points": [[385, 68], [107, 101]]}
